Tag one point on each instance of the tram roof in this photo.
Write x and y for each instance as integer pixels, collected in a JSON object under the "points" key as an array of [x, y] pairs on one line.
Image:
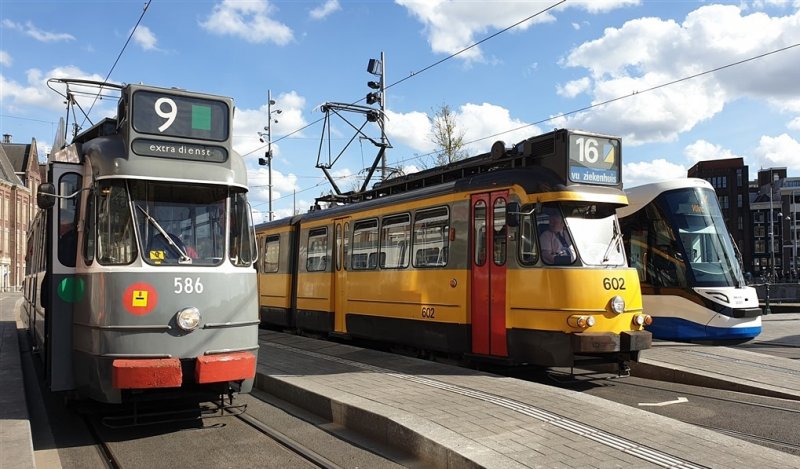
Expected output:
{"points": [[640, 196]]}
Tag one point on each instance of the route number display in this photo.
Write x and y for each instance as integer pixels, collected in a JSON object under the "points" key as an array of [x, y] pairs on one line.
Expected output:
{"points": [[594, 160], [180, 116]]}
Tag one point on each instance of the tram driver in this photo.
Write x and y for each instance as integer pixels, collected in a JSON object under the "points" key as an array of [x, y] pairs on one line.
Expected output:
{"points": [[556, 243]]}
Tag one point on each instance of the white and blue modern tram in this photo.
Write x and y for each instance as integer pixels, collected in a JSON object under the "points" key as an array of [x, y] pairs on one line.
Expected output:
{"points": [[690, 274]]}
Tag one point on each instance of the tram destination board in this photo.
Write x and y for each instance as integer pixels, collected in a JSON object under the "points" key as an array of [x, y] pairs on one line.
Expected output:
{"points": [[175, 121], [594, 159]]}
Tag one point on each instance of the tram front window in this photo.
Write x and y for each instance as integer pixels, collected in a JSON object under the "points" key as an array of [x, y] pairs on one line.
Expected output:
{"points": [[590, 234], [706, 243], [596, 232], [180, 223]]}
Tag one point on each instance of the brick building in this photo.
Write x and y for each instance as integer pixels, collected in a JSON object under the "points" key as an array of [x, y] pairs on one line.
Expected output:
{"points": [[19, 181]]}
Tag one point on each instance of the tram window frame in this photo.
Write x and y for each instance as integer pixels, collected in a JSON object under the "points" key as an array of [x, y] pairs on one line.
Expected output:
{"points": [[89, 229], [370, 259], [442, 253], [67, 255], [105, 214], [499, 232], [317, 235], [269, 241], [386, 225], [479, 222], [528, 246]]}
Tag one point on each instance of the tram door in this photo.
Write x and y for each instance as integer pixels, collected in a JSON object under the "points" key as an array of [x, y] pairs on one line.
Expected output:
{"points": [[488, 265], [62, 288], [341, 263]]}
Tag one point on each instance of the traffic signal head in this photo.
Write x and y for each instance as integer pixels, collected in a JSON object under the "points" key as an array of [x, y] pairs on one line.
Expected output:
{"points": [[373, 98]]}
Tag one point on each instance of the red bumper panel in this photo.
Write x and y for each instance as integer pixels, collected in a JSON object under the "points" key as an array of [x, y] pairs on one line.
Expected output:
{"points": [[144, 374], [225, 367]]}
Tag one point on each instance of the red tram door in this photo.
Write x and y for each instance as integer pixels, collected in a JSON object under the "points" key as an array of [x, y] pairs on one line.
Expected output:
{"points": [[488, 265]]}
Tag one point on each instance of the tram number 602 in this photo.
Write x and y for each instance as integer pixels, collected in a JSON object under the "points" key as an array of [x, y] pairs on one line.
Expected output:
{"points": [[188, 285], [614, 283], [428, 312]]}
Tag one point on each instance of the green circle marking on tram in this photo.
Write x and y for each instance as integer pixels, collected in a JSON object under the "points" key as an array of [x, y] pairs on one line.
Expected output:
{"points": [[71, 289]]}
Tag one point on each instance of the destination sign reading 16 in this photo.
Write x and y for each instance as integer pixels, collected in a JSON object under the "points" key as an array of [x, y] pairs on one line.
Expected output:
{"points": [[594, 160], [167, 115]]}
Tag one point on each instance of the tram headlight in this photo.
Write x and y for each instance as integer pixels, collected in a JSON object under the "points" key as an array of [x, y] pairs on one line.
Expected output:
{"points": [[617, 304], [188, 318]]}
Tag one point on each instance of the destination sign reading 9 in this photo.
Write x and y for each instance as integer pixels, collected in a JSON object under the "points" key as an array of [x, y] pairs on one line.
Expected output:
{"points": [[593, 159], [180, 116]]}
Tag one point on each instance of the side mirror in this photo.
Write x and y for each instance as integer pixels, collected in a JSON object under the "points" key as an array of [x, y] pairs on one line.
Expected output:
{"points": [[512, 214], [45, 196]]}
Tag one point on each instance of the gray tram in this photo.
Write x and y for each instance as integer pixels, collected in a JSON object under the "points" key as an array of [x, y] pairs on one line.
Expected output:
{"points": [[139, 275]]}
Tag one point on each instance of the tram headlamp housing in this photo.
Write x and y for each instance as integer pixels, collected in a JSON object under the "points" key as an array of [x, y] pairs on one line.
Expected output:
{"points": [[188, 318], [617, 304]]}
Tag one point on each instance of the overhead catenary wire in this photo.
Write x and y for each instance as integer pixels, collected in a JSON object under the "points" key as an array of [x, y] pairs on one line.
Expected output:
{"points": [[612, 100], [424, 69], [119, 56]]}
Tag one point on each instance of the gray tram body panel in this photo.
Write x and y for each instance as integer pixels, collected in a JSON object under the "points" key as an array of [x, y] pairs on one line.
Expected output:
{"points": [[103, 330]]}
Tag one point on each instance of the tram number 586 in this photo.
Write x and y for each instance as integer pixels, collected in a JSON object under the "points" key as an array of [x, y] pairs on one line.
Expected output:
{"points": [[428, 312], [188, 285], [614, 283]]}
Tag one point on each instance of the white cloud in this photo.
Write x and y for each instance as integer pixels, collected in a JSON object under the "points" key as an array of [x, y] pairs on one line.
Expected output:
{"points": [[453, 25], [247, 123], [249, 21], [31, 30], [325, 9], [794, 124], [702, 150], [19, 97], [5, 58], [145, 38], [782, 150], [574, 87], [636, 174], [476, 121], [648, 52]]}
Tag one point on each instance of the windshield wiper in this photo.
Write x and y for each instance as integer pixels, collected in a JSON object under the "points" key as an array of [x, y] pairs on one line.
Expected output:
{"points": [[614, 240], [184, 257]]}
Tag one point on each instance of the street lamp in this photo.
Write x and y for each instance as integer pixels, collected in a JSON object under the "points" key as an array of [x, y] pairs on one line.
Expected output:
{"points": [[267, 160]]}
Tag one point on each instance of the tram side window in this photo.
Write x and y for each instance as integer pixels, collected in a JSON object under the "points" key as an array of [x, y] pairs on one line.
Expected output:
{"points": [[89, 230], [243, 244], [635, 230], [395, 237], [666, 266], [365, 245], [115, 234], [317, 250], [528, 253], [431, 241], [271, 254], [68, 219], [499, 232]]}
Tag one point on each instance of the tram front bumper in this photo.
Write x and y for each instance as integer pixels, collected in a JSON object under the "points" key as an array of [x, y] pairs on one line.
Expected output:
{"points": [[167, 372], [604, 342]]}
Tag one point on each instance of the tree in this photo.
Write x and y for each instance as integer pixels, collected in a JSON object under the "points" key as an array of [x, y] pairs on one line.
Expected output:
{"points": [[449, 140]]}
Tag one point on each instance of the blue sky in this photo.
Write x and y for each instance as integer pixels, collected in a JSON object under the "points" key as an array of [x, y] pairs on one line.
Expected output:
{"points": [[315, 51]]}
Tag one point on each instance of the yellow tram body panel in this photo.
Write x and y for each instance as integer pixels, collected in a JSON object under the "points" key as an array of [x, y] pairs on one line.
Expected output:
{"points": [[403, 294], [542, 299], [314, 291], [275, 291]]}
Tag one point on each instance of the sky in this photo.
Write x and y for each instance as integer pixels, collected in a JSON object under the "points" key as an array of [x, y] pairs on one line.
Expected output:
{"points": [[678, 81]]}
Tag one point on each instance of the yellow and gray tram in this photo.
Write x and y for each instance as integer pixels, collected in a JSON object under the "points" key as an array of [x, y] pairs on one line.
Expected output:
{"points": [[139, 271], [458, 260]]}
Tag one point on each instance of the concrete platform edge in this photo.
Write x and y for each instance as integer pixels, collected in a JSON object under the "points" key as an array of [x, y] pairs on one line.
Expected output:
{"points": [[674, 374], [370, 424], [16, 440]]}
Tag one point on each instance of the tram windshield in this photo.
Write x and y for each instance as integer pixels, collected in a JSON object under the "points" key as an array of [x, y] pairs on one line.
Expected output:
{"points": [[705, 243], [186, 223], [579, 234]]}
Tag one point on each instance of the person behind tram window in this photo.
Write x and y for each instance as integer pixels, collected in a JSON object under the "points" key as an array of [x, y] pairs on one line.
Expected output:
{"points": [[556, 243]]}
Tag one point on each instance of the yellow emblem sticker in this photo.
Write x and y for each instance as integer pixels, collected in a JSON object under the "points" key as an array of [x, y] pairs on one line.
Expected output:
{"points": [[139, 299]]}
